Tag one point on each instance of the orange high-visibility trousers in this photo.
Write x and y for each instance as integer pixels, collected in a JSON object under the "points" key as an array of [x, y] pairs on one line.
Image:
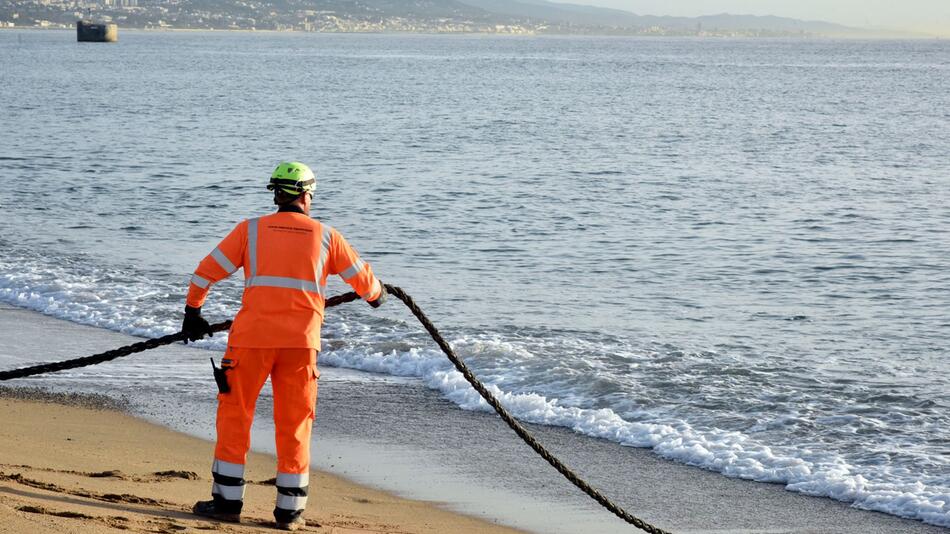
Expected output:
{"points": [[293, 373]]}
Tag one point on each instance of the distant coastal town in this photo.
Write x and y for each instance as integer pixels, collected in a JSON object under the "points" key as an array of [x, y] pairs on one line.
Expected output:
{"points": [[346, 16]]}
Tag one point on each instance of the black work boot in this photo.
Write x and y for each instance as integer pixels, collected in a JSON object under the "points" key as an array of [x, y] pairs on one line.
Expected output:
{"points": [[214, 510], [292, 524], [289, 519]]}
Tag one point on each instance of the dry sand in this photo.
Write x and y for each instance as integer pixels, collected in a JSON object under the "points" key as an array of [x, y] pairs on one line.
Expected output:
{"points": [[67, 469]]}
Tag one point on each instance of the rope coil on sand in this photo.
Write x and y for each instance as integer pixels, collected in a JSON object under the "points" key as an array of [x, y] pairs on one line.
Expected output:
{"points": [[436, 336]]}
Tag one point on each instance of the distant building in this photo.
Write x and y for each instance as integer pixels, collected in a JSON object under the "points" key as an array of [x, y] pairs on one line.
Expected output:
{"points": [[120, 3], [90, 32]]}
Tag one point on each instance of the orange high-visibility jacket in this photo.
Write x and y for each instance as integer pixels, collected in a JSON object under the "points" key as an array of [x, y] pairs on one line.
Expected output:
{"points": [[286, 257]]}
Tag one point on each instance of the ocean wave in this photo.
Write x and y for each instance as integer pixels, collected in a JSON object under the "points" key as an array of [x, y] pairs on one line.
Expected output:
{"points": [[114, 299], [733, 454]]}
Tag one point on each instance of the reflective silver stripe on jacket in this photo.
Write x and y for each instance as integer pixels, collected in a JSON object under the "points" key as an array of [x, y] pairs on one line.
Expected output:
{"points": [[287, 502], [285, 282], [253, 280], [252, 247], [200, 282], [223, 260], [324, 252], [353, 270]]}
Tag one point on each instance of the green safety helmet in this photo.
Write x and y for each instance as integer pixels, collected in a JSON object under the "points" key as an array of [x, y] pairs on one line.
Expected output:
{"points": [[292, 177]]}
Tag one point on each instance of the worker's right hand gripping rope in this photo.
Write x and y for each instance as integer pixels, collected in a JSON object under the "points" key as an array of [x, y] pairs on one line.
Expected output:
{"points": [[436, 336]]}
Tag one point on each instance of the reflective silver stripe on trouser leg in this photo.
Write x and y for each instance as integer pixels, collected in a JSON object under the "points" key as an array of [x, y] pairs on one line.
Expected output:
{"points": [[228, 486], [291, 495], [252, 247]]}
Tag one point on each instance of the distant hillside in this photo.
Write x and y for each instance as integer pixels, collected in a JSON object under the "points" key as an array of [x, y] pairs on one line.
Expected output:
{"points": [[428, 9], [431, 16], [561, 13], [614, 18]]}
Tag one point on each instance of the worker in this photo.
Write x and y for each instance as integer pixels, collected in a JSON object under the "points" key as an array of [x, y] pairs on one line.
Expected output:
{"points": [[286, 257]]}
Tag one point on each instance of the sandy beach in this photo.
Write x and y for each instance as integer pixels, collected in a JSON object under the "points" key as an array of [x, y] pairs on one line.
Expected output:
{"points": [[82, 469]]}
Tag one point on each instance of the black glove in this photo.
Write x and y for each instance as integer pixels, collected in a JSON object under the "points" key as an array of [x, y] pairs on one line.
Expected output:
{"points": [[381, 298], [194, 326]]}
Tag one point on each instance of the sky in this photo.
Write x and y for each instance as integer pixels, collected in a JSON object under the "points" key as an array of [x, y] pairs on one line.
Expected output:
{"points": [[930, 16]]}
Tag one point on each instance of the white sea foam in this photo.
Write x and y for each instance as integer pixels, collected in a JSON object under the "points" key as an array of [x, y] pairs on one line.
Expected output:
{"points": [[114, 300], [97, 299], [730, 453]]}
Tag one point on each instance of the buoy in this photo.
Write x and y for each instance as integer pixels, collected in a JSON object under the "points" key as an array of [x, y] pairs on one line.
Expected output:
{"points": [[91, 32]]}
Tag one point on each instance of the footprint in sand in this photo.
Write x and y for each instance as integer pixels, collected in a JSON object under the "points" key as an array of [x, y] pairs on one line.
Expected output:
{"points": [[46, 511]]}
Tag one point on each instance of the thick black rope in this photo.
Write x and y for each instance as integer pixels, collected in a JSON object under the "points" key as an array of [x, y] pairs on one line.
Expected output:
{"points": [[436, 336], [512, 422]]}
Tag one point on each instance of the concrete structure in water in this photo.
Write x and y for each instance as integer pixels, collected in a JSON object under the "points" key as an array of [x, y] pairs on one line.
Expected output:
{"points": [[87, 31]]}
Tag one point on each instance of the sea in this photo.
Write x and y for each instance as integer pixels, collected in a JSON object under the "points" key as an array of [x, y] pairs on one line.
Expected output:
{"points": [[733, 252]]}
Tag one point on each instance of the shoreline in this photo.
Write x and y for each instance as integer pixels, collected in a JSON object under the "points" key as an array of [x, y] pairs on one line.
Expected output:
{"points": [[507, 34], [409, 441]]}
